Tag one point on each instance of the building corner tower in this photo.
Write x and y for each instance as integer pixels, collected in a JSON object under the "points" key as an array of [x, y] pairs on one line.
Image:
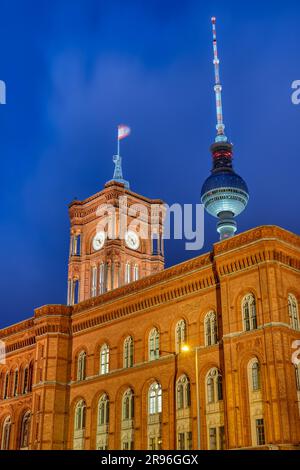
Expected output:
{"points": [[224, 193]]}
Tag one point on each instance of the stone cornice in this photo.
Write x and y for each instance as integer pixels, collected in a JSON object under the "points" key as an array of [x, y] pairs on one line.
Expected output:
{"points": [[17, 328], [146, 282], [53, 310], [116, 190], [266, 232]]}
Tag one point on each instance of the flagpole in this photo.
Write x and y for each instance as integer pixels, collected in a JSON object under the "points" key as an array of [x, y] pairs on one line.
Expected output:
{"points": [[118, 152]]}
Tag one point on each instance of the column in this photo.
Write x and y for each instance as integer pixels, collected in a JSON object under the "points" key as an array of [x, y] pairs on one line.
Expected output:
{"points": [[112, 274]]}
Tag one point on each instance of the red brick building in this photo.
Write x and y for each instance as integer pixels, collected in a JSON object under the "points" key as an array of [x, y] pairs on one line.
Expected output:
{"points": [[109, 371]]}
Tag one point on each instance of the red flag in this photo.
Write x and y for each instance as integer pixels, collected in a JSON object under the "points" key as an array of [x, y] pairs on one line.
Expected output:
{"points": [[123, 131]]}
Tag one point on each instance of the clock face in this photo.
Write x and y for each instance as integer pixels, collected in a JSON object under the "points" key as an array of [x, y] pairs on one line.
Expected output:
{"points": [[132, 240], [98, 240]]}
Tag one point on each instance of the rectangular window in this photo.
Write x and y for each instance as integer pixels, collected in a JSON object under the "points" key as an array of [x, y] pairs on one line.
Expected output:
{"points": [[212, 438], [260, 432], [222, 438], [189, 441], [152, 443], [181, 441]]}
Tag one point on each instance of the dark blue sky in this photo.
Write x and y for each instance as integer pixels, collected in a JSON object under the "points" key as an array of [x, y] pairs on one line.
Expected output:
{"points": [[75, 69]]}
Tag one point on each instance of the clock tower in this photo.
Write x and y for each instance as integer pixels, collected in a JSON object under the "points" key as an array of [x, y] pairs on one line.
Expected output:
{"points": [[116, 238]]}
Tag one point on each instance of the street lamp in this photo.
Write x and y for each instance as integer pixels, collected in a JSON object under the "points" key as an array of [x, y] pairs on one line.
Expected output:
{"points": [[175, 354], [186, 348]]}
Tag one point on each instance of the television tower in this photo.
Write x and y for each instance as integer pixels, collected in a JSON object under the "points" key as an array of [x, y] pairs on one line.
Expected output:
{"points": [[224, 193]]}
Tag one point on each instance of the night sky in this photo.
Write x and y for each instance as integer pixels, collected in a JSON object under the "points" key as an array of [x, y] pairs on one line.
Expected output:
{"points": [[76, 69]]}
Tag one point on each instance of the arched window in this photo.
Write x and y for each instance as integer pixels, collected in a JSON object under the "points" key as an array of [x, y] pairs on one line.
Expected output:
{"points": [[93, 281], [127, 273], [155, 399], [297, 376], [183, 392], [210, 390], [211, 329], [104, 359], [249, 312], [293, 311], [128, 405], [6, 433], [103, 410], [5, 387], [214, 387], [30, 377], [153, 344], [135, 272], [128, 352], [25, 429], [25, 380], [102, 278], [255, 374], [80, 415], [16, 381], [180, 334], [81, 366]]}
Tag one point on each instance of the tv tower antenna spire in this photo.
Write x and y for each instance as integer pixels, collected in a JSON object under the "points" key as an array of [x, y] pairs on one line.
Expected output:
{"points": [[220, 137]]}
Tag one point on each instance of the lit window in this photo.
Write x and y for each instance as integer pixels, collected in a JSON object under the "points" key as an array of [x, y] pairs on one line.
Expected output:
{"points": [[211, 331], [212, 438], [135, 272], [103, 410], [128, 352], [81, 366], [256, 376], [6, 428], [214, 388], [183, 392], [102, 278], [249, 312], [293, 311], [128, 405], [180, 334], [25, 428], [80, 415], [260, 432], [94, 281], [210, 390], [153, 344], [155, 399], [127, 273], [104, 359]]}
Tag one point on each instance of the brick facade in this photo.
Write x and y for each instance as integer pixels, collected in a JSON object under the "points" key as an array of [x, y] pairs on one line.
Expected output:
{"points": [[263, 262]]}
